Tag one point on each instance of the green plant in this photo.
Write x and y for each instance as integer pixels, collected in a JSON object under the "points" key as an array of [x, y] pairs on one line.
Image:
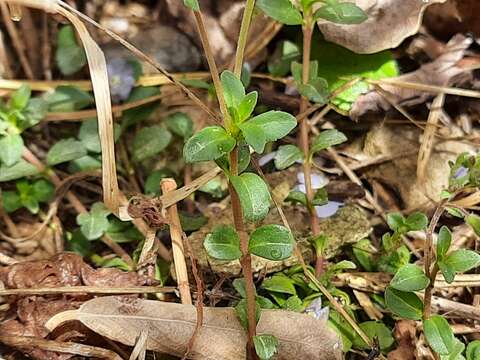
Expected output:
{"points": [[309, 84], [400, 296]]}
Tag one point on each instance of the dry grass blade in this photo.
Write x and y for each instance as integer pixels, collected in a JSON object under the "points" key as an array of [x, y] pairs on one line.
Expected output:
{"points": [[101, 91], [178, 195], [88, 290], [176, 233], [56, 346], [140, 349], [428, 88], [429, 137]]}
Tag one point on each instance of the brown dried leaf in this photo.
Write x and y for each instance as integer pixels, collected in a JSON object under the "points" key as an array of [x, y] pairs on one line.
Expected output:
{"points": [[405, 336], [170, 327], [389, 23]]}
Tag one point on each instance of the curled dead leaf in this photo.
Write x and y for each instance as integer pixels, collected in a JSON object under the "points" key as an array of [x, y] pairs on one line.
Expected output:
{"points": [[389, 23], [170, 327]]}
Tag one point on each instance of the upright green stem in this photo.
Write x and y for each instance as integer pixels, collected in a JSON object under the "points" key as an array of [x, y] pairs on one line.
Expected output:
{"points": [[428, 256], [243, 36], [213, 68], [246, 260], [304, 132]]}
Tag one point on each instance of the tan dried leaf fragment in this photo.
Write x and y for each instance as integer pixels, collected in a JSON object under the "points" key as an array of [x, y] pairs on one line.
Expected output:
{"points": [[389, 23], [170, 326]]}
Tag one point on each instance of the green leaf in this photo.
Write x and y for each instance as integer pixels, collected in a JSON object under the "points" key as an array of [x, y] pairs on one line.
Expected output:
{"points": [[410, 278], [88, 135], [281, 10], [273, 242], [247, 105], [338, 65], [439, 334], [78, 243], [286, 156], [20, 97], [43, 190], [94, 223], [192, 4], [297, 72], [443, 242], [85, 163], [34, 112], [17, 171], [233, 90], [297, 197], [275, 124], [265, 346], [254, 136], [341, 13], [327, 139], [473, 350], [285, 53], [69, 56], [395, 221], [375, 330], [11, 149], [447, 270], [65, 150], [10, 201], [462, 260], [404, 304], [363, 251], [180, 124], [209, 143], [242, 312], [254, 195], [150, 141], [293, 303], [279, 283], [474, 221], [319, 243], [123, 232], [68, 98], [320, 197], [223, 243], [416, 221], [239, 285], [315, 90]]}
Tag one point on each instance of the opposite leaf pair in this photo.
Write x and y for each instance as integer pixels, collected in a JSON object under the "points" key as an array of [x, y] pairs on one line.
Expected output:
{"points": [[273, 242]]}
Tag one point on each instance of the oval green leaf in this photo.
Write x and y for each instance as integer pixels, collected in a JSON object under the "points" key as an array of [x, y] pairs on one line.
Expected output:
{"points": [[327, 139], [443, 242], [286, 156], [254, 195], [341, 13], [280, 284], [404, 304], [209, 143], [281, 10], [462, 260], [265, 346], [410, 278], [149, 141], [273, 242], [11, 148], [223, 243], [439, 335], [65, 150]]}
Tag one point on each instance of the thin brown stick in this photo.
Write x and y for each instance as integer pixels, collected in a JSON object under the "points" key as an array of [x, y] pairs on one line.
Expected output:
{"points": [[57, 346], [212, 66], [88, 290], [4, 60], [16, 41], [176, 233]]}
